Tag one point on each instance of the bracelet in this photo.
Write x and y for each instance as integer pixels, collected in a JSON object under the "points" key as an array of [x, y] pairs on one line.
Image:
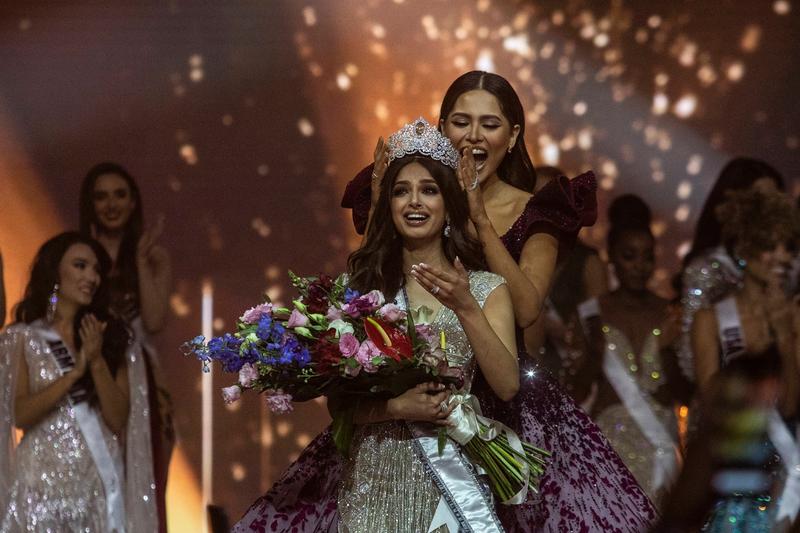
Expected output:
{"points": [[375, 177]]}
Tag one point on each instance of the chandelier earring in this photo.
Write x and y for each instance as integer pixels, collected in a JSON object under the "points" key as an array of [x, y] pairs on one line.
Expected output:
{"points": [[446, 231], [52, 303]]}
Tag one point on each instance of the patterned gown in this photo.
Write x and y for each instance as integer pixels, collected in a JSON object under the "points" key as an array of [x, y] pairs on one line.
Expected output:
{"points": [[54, 485], [383, 486]]}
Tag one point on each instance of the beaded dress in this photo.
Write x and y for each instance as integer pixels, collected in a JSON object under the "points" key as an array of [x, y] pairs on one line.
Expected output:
{"points": [[707, 279], [53, 483], [383, 486], [616, 422], [586, 486]]}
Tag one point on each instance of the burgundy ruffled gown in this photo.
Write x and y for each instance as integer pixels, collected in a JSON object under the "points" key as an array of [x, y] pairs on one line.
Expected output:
{"points": [[585, 488]]}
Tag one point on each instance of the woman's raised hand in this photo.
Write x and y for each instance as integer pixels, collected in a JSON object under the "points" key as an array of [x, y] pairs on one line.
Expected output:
{"points": [[468, 178], [91, 332], [148, 241], [450, 288], [381, 159], [424, 403]]}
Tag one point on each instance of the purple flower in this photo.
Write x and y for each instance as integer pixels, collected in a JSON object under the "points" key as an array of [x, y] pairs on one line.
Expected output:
{"points": [[231, 394], [254, 314], [248, 375], [334, 313], [392, 313], [278, 402], [348, 345], [297, 319], [366, 352]]}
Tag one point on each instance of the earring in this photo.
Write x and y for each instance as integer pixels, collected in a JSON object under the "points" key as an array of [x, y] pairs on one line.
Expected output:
{"points": [[52, 303], [447, 229], [510, 148]]}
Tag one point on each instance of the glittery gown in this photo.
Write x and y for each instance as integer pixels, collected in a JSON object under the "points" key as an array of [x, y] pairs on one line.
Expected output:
{"points": [[53, 484], [707, 279], [383, 486], [586, 487], [616, 422]]}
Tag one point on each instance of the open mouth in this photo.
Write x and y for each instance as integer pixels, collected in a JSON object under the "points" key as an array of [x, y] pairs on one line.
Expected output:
{"points": [[416, 219], [480, 156]]}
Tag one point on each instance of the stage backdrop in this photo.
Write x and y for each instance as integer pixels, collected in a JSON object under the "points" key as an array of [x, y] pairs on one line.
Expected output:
{"points": [[242, 122]]}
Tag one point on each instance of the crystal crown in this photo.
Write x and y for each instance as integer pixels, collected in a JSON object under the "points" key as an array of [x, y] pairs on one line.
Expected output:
{"points": [[419, 137]]}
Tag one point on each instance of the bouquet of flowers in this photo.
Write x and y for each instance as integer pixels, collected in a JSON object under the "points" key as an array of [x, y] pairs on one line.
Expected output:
{"points": [[333, 341], [336, 342]]}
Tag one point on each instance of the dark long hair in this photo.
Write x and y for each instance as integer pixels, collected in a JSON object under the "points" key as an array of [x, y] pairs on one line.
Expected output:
{"points": [[627, 213], [378, 263], [127, 273], [516, 168], [740, 173], [44, 275]]}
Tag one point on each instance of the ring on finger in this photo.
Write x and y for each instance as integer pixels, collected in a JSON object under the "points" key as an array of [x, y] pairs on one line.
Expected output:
{"points": [[374, 177], [443, 407], [435, 289]]}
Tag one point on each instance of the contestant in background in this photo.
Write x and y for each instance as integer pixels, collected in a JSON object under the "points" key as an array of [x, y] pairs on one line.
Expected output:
{"points": [[711, 270], [634, 406], [64, 383], [586, 485], [557, 338], [140, 279], [756, 327]]}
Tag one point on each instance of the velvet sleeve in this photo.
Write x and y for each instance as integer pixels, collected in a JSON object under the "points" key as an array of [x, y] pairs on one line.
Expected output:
{"points": [[357, 197]]}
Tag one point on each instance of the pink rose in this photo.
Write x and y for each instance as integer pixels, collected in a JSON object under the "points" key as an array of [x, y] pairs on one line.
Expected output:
{"points": [[247, 375], [366, 352], [297, 320], [348, 344], [426, 332], [231, 394], [374, 298], [334, 313], [278, 402], [254, 314], [392, 313]]}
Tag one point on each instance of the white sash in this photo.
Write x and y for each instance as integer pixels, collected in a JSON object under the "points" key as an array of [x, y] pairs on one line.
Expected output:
{"points": [[729, 329], [781, 437], [466, 504], [108, 469], [665, 463], [731, 337]]}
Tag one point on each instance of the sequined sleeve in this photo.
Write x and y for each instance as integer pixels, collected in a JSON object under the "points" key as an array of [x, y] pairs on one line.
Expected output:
{"points": [[10, 344], [561, 208], [705, 281]]}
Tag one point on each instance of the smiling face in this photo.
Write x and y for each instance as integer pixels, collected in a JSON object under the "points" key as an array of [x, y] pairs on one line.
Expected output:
{"points": [[478, 122], [769, 265], [633, 257], [78, 275], [113, 202], [417, 204]]}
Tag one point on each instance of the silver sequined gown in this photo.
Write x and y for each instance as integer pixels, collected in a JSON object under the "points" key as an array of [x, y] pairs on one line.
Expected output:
{"points": [[615, 421], [384, 485], [54, 486], [707, 279]]}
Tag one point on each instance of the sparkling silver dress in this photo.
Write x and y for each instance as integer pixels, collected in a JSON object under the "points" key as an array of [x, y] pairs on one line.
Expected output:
{"points": [[384, 485], [52, 483], [707, 279], [616, 422]]}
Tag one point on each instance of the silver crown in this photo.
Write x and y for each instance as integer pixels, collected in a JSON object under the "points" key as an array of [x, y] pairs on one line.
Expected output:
{"points": [[419, 137]]}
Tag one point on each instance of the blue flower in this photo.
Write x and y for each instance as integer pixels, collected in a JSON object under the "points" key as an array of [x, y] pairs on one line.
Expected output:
{"points": [[350, 295], [225, 349]]}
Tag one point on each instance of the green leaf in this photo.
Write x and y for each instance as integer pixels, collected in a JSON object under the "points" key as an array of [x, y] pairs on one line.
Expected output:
{"points": [[442, 440]]}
